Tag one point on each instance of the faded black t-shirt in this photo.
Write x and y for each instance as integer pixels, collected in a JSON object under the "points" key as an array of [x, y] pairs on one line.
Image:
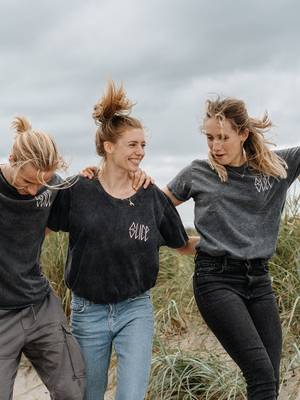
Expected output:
{"points": [[114, 244], [23, 220]]}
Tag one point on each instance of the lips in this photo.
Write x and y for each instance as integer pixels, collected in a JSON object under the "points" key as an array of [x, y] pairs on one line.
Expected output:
{"points": [[219, 155], [135, 160]]}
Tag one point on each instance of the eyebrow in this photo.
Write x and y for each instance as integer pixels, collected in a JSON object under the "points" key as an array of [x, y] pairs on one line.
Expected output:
{"points": [[35, 182], [27, 180]]}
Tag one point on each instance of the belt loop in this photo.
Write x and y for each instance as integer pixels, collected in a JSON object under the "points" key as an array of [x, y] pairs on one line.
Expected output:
{"points": [[248, 265], [224, 263]]}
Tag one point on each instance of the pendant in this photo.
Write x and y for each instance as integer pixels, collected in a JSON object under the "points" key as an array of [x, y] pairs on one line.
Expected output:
{"points": [[131, 203]]}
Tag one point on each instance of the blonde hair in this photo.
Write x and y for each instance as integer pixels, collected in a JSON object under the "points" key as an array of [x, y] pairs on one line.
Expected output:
{"points": [[259, 157], [112, 116], [34, 147]]}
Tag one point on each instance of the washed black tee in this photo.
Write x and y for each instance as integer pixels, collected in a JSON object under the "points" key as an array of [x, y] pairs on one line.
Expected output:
{"points": [[114, 244], [23, 220], [241, 217]]}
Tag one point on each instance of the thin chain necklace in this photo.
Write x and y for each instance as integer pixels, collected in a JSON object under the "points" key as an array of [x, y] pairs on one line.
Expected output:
{"points": [[125, 199], [235, 171]]}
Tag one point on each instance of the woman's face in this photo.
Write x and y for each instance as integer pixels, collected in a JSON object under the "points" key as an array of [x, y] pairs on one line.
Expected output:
{"points": [[224, 142], [27, 180], [129, 150]]}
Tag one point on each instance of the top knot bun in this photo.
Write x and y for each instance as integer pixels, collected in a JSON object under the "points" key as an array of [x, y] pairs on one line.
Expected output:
{"points": [[114, 103], [21, 125]]}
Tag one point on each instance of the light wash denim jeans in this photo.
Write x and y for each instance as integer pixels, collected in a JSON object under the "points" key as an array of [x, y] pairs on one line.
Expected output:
{"points": [[128, 326]]}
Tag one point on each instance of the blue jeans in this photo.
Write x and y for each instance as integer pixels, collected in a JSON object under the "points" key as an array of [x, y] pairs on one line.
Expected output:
{"points": [[128, 326], [236, 300]]}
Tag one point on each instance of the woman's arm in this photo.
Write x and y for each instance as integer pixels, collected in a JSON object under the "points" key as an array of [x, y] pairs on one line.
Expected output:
{"points": [[190, 247], [171, 196]]}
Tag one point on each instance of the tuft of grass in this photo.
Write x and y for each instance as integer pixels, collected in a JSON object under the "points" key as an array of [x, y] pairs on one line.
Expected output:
{"points": [[53, 259], [188, 376]]}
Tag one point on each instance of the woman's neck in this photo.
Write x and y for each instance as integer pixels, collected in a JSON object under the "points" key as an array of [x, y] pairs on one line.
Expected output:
{"points": [[116, 181], [7, 172]]}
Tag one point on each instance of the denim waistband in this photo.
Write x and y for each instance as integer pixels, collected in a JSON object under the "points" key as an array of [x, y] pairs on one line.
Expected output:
{"points": [[206, 261]]}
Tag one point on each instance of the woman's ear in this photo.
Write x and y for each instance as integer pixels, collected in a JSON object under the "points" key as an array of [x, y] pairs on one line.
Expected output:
{"points": [[108, 147], [11, 159], [244, 134]]}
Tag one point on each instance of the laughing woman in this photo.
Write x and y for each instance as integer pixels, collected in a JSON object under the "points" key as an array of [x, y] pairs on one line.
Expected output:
{"points": [[113, 259]]}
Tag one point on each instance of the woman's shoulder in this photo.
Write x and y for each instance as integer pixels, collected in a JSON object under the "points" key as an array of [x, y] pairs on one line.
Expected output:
{"points": [[79, 181], [289, 154], [154, 192], [196, 165], [200, 163]]}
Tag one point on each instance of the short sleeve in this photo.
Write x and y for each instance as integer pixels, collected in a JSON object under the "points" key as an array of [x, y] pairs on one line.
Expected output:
{"points": [[181, 185], [171, 227], [59, 215], [292, 157]]}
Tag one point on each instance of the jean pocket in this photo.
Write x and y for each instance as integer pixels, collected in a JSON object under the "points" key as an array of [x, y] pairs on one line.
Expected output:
{"points": [[78, 304]]}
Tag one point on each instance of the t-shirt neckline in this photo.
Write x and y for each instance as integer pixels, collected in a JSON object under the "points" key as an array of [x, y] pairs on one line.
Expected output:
{"points": [[128, 201]]}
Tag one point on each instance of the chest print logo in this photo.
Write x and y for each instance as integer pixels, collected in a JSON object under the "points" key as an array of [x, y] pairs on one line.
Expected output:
{"points": [[43, 199], [263, 183], [139, 231]]}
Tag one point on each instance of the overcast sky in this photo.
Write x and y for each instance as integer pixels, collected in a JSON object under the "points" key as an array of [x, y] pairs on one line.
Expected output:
{"points": [[171, 55]]}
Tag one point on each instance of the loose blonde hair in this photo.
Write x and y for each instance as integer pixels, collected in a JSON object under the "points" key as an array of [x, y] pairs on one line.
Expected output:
{"points": [[112, 116], [259, 157], [34, 147]]}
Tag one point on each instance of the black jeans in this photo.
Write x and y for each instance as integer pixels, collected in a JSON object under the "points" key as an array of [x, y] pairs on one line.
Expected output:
{"points": [[236, 300]]}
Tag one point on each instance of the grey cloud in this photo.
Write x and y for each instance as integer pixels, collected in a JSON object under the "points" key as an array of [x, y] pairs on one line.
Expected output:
{"points": [[56, 57]]}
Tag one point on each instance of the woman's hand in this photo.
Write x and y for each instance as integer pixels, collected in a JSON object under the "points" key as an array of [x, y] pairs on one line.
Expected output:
{"points": [[140, 178], [190, 247], [89, 172]]}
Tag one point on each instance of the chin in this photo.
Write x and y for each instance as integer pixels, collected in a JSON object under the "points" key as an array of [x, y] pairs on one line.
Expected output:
{"points": [[222, 162], [133, 168]]}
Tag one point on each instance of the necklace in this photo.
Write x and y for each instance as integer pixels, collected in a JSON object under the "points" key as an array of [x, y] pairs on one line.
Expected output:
{"points": [[131, 203], [123, 197], [235, 170]]}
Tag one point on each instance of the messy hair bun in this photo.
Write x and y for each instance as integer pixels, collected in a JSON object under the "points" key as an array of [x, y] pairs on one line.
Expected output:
{"points": [[34, 147], [112, 116], [21, 125]]}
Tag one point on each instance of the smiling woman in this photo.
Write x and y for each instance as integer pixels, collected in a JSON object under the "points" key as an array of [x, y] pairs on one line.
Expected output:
{"points": [[115, 235]]}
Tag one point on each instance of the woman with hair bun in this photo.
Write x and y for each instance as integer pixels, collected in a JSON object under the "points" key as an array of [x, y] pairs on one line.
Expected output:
{"points": [[239, 194], [32, 320], [113, 258]]}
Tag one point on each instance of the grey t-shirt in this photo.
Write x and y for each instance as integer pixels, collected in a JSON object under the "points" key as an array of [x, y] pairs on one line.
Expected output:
{"points": [[239, 218], [23, 220]]}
